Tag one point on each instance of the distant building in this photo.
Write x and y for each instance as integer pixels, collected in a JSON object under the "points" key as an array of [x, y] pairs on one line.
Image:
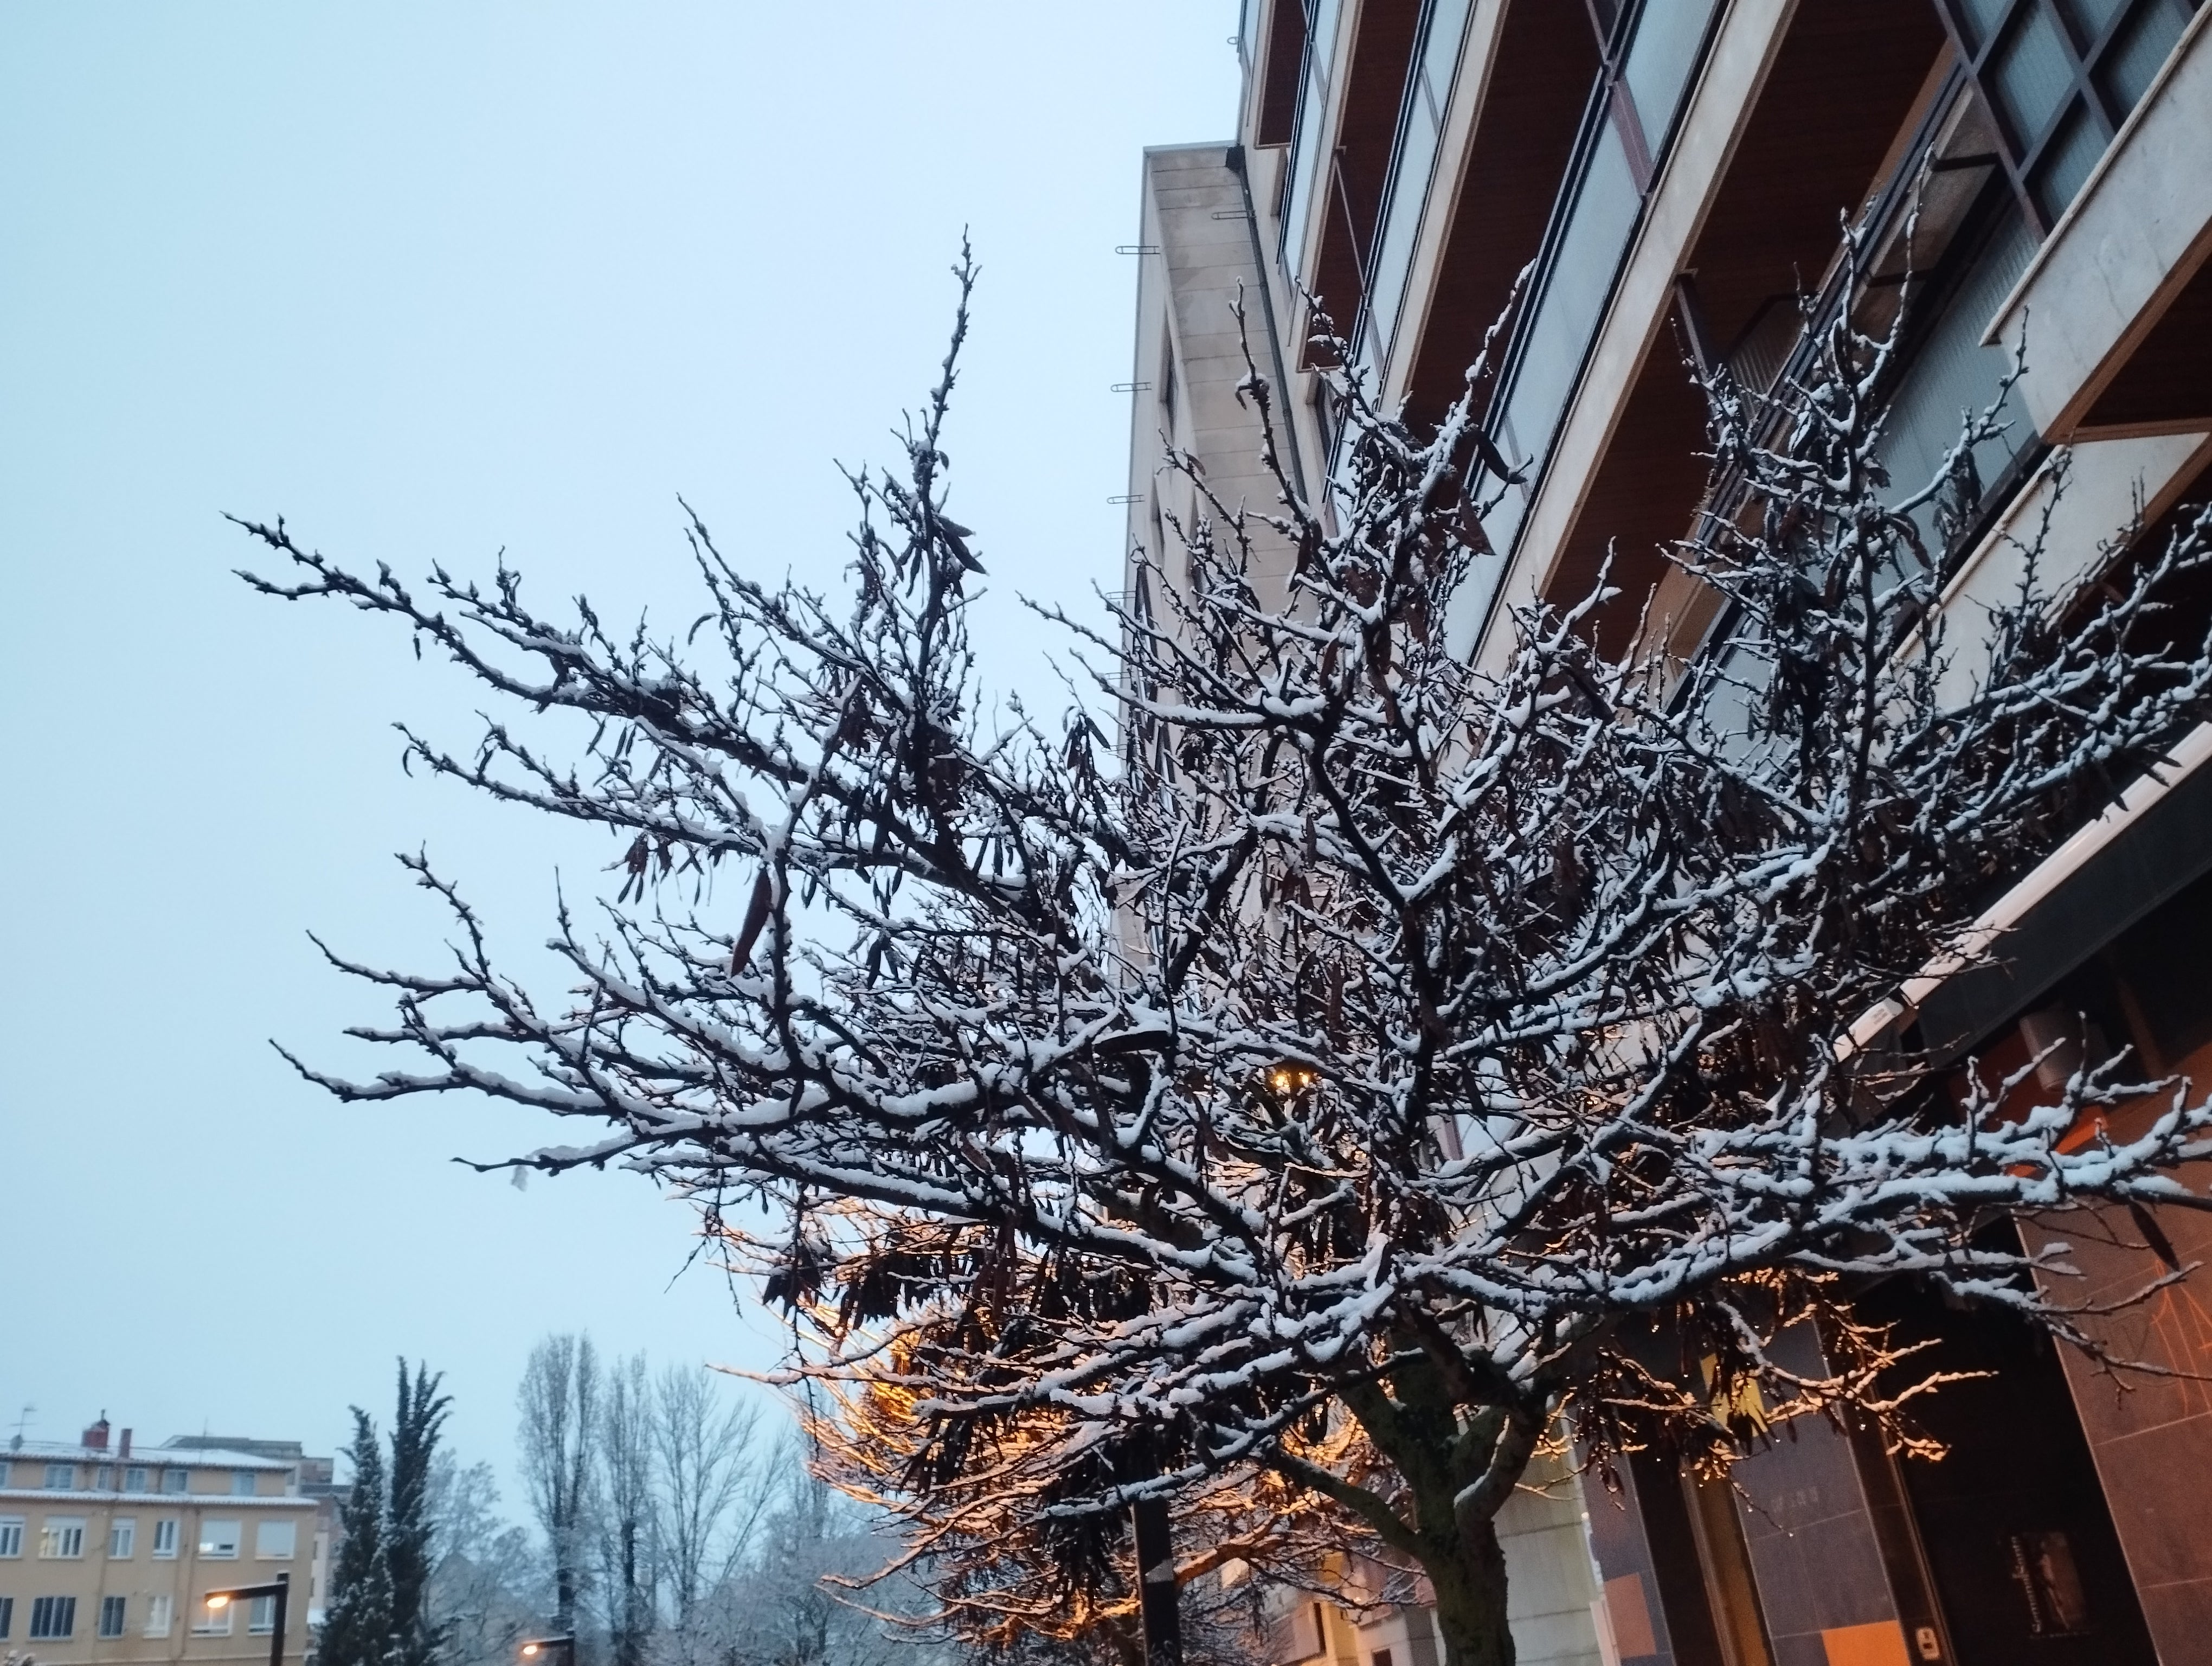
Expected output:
{"points": [[107, 1550], [1668, 173]]}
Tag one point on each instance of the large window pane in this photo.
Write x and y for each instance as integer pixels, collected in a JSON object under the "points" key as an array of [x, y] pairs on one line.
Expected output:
{"points": [[2135, 58], [1307, 152], [1575, 292], [1952, 374], [1411, 173], [1660, 60], [2031, 76], [2067, 161]]}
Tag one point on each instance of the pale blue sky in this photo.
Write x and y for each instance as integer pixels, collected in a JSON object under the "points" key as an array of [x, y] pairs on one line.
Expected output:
{"points": [[428, 280]]}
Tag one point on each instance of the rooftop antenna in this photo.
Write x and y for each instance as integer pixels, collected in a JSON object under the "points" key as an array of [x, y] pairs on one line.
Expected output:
{"points": [[16, 1444]]}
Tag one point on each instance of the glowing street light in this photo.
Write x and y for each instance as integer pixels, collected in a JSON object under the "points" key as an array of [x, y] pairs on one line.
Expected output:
{"points": [[277, 1591], [550, 1651]]}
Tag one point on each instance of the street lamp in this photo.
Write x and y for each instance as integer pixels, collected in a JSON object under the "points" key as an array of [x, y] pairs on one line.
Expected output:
{"points": [[278, 1588], [550, 1651]]}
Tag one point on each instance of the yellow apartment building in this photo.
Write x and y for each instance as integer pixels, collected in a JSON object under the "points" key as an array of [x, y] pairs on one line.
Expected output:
{"points": [[108, 1552]]}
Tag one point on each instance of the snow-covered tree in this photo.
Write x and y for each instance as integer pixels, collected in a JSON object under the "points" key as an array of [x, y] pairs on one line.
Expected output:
{"points": [[357, 1623], [1338, 1092], [409, 1530]]}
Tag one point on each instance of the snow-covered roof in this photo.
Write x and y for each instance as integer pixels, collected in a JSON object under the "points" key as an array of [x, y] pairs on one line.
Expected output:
{"points": [[66, 1451]]}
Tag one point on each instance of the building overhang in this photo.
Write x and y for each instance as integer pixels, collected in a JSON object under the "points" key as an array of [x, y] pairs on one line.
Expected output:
{"points": [[2126, 270]]}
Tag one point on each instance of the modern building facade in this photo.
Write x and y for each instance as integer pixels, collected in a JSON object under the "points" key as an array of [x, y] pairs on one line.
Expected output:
{"points": [[1621, 186], [108, 1551]]}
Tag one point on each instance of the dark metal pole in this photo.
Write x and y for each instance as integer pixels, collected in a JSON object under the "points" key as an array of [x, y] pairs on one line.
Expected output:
{"points": [[276, 1638], [1156, 1583]]}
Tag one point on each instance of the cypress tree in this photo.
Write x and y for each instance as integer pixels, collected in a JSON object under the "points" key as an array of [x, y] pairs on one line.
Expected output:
{"points": [[357, 1625], [407, 1532]]}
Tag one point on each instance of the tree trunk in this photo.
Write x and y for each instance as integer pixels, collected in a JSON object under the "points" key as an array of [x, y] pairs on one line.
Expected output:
{"points": [[1471, 1599]]}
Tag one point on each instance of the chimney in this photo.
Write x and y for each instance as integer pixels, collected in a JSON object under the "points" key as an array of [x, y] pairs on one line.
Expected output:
{"points": [[125, 1453], [95, 1437]]}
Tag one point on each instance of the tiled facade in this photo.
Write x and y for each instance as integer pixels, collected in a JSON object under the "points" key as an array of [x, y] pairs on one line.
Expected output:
{"points": [[1671, 173], [108, 1551]]}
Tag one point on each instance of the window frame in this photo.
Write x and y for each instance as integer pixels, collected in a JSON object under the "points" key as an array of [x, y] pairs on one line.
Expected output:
{"points": [[176, 1479], [61, 1539], [60, 1478], [44, 1611], [114, 1616], [261, 1616], [210, 1541], [291, 1536], [134, 1478], [12, 1529], [160, 1615], [7, 1616], [2087, 97], [122, 1538], [241, 1484], [168, 1530]]}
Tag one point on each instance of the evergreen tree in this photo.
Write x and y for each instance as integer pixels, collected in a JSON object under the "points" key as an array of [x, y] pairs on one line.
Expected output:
{"points": [[357, 1628], [408, 1527]]}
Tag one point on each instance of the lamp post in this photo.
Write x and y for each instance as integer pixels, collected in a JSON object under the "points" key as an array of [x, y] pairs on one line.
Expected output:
{"points": [[278, 1588], [550, 1651]]}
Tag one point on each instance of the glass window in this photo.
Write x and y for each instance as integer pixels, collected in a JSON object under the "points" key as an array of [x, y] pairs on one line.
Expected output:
{"points": [[60, 1477], [165, 1537], [275, 1541], [2031, 76], [160, 1611], [103, 1480], [1306, 160], [1951, 373], [6, 1615], [173, 1481], [62, 1538], [261, 1616], [11, 1535], [212, 1622], [53, 1616], [1579, 280], [134, 1479], [1413, 171], [122, 1535], [241, 1483], [1661, 61], [111, 1616], [2140, 49], [219, 1541]]}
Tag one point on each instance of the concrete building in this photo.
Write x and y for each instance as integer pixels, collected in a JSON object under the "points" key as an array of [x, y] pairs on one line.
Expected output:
{"points": [[108, 1551], [1671, 175]]}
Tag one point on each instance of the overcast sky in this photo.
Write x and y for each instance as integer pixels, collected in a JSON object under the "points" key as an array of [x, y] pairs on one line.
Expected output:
{"points": [[429, 281]]}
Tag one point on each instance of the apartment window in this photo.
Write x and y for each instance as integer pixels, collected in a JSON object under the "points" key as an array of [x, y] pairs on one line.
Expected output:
{"points": [[160, 1611], [219, 1541], [134, 1479], [53, 1616], [275, 1541], [261, 1616], [62, 1539], [60, 1477], [212, 1622], [165, 1537], [111, 1616], [173, 1481], [5, 1481], [103, 1478], [6, 1615], [11, 1535], [122, 1538], [241, 1483], [2063, 75]]}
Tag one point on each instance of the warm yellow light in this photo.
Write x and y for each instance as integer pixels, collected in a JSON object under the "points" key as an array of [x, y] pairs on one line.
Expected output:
{"points": [[218, 1600], [528, 1649]]}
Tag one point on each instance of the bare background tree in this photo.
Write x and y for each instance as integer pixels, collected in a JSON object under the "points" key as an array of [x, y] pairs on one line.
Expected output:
{"points": [[631, 1531], [714, 1484], [1379, 1075], [557, 1444]]}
